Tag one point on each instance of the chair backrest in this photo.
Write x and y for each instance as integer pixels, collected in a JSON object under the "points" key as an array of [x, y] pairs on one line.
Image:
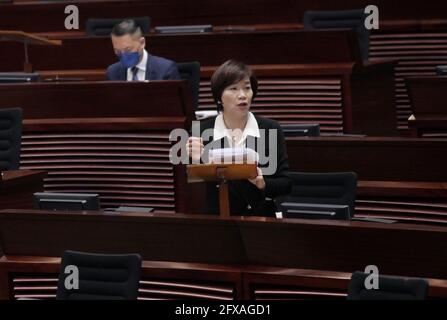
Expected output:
{"points": [[390, 288], [103, 27], [10, 138], [354, 19], [338, 188], [101, 276], [190, 71]]}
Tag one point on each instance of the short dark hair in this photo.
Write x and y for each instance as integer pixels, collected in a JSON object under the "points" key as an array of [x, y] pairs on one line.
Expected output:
{"points": [[126, 27], [228, 73]]}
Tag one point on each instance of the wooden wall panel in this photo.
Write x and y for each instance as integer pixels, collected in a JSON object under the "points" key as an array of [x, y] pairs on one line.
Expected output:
{"points": [[125, 168], [293, 100], [44, 286], [213, 258], [50, 16], [418, 54]]}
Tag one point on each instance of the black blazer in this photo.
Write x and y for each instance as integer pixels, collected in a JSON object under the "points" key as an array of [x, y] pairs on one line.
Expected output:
{"points": [[245, 197]]}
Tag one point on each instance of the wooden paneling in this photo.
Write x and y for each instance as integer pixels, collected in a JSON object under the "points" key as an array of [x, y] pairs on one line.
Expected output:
{"points": [[162, 281], [337, 97], [125, 168], [416, 202], [340, 97], [159, 280], [429, 115], [306, 76], [210, 257], [44, 287], [78, 133], [37, 17], [405, 210], [397, 249], [293, 100], [272, 292], [17, 188], [159, 290], [381, 158], [399, 178], [107, 99], [34, 286], [273, 283], [418, 53], [266, 47]]}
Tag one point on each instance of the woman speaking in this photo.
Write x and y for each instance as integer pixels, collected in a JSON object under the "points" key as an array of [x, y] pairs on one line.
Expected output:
{"points": [[234, 87]]}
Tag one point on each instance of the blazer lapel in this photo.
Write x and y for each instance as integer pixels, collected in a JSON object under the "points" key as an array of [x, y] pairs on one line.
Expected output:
{"points": [[150, 69], [122, 73]]}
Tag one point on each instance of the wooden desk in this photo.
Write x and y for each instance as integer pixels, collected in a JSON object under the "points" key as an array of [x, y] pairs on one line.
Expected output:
{"points": [[404, 201], [95, 150], [402, 179], [338, 96], [372, 158], [126, 160], [413, 36], [262, 283], [399, 178], [302, 78], [37, 277], [95, 138], [430, 114], [18, 186], [396, 248], [106, 99], [263, 47], [50, 16], [184, 245], [26, 39], [430, 126]]}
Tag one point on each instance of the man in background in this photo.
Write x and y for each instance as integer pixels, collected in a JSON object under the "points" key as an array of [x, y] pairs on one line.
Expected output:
{"points": [[136, 64]]}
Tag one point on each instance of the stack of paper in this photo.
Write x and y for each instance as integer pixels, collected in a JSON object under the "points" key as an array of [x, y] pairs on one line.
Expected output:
{"points": [[233, 155]]}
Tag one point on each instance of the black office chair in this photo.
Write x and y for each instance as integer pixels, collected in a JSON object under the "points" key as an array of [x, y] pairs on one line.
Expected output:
{"points": [[101, 276], [10, 138], [103, 27], [334, 188], [390, 288], [354, 19], [190, 71]]}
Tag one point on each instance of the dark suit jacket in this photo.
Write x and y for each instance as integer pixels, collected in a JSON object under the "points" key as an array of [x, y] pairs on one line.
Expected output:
{"points": [[245, 197], [157, 68]]}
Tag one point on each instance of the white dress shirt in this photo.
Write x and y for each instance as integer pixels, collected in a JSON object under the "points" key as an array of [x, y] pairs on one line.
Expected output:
{"points": [[141, 74], [221, 130]]}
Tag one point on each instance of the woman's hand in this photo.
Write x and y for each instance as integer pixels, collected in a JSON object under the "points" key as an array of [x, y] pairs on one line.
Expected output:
{"points": [[259, 180], [194, 147]]}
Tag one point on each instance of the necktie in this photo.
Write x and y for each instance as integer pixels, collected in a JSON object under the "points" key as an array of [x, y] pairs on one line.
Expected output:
{"points": [[134, 74]]}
